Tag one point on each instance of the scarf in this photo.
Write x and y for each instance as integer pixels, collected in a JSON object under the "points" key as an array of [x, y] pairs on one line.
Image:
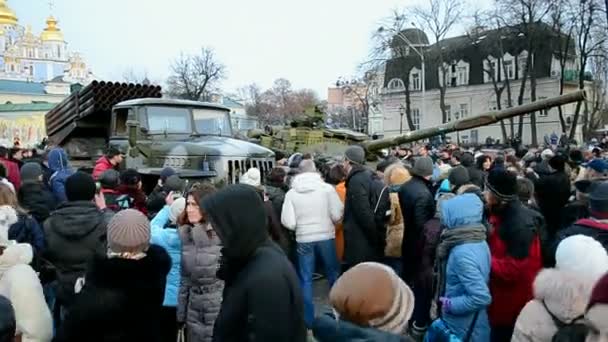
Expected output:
{"points": [[449, 239]]}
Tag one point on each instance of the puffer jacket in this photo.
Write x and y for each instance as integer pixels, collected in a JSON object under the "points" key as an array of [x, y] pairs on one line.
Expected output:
{"points": [[61, 170], [327, 329], [311, 208], [37, 200], [19, 283], [75, 233], [101, 165], [168, 238], [566, 294], [27, 230], [200, 294]]}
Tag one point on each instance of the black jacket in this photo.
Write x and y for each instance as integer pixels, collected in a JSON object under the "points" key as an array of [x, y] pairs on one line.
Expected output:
{"points": [[589, 227], [121, 300], [37, 200], [362, 240], [276, 195], [417, 207], [552, 192], [27, 230], [75, 233], [156, 200], [476, 176], [262, 299]]}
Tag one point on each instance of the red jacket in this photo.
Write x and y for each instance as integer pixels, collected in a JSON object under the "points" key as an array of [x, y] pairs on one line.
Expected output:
{"points": [[511, 279], [13, 172], [101, 165]]}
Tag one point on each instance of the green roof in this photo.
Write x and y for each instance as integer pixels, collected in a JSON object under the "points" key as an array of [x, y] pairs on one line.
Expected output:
{"points": [[27, 107]]}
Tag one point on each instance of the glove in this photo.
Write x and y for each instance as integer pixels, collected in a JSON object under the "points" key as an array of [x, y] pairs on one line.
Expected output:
{"points": [[446, 304]]}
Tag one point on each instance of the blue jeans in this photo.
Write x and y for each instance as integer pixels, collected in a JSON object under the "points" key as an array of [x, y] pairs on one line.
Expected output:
{"points": [[307, 252]]}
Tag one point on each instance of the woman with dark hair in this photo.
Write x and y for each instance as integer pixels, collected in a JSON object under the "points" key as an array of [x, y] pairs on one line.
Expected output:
{"points": [[200, 293]]}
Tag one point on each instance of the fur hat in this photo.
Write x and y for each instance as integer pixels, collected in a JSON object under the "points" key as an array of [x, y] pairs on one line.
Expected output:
{"points": [[396, 174], [502, 183], [423, 167], [459, 176], [8, 216], [80, 187], [252, 177], [372, 294], [176, 209], [129, 232], [583, 255], [355, 154], [31, 172]]}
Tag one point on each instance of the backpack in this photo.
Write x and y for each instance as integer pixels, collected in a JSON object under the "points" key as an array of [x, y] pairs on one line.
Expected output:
{"points": [[380, 201], [568, 332]]}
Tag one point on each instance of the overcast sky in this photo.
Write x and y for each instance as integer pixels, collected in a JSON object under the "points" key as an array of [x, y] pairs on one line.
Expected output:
{"points": [[311, 42]]}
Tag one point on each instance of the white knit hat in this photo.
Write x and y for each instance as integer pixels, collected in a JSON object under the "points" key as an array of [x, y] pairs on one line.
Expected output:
{"points": [[582, 255], [252, 177], [8, 216], [176, 209]]}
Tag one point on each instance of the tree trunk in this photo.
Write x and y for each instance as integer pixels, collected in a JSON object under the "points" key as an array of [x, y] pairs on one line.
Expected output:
{"points": [[581, 85], [522, 91], [408, 108]]}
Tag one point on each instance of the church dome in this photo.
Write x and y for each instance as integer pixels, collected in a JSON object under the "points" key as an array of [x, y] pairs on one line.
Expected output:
{"points": [[415, 36], [7, 16], [51, 31]]}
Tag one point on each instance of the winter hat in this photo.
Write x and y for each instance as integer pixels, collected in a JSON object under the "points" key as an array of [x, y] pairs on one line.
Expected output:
{"points": [[109, 179], [598, 165], [294, 161], [598, 199], [423, 167], [128, 233], [467, 159], [600, 292], [307, 165], [582, 255], [547, 154], [80, 187], [525, 189], [396, 174], [166, 173], [8, 216], [31, 172], [459, 176], [8, 323], [576, 156], [502, 183], [130, 177], [355, 154], [175, 184], [252, 177], [372, 294], [176, 209]]}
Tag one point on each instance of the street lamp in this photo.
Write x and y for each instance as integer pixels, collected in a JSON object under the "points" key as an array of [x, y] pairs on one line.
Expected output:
{"points": [[401, 113]]}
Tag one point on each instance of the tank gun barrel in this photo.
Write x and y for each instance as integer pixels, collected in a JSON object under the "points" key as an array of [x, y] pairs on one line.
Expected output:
{"points": [[475, 121]]}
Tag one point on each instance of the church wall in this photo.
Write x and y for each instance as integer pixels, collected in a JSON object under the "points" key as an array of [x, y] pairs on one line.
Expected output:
{"points": [[29, 98], [40, 71]]}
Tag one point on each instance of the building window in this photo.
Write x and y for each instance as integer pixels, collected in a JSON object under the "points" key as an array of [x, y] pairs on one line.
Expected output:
{"points": [[396, 84], [463, 75], [416, 81], [448, 113], [31, 70], [416, 118], [58, 51], [464, 110], [509, 69]]}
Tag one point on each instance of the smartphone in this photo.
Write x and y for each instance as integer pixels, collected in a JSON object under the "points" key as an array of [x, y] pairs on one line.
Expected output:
{"points": [[97, 187]]}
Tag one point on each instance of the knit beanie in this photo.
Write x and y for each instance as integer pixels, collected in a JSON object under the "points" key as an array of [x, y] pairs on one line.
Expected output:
{"points": [[372, 294], [128, 232], [459, 176], [355, 154], [166, 173], [175, 184], [600, 292], [598, 199], [80, 187], [502, 183], [423, 167], [582, 255], [252, 177], [176, 209], [109, 179], [8, 216], [31, 172]]}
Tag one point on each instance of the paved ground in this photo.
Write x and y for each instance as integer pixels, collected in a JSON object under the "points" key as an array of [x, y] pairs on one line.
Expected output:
{"points": [[321, 293]]}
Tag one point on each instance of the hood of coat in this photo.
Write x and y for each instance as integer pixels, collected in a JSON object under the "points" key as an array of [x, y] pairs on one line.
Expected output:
{"points": [[103, 160], [121, 273], [462, 210], [328, 329], [242, 232], [565, 294], [15, 254], [75, 220], [58, 160], [307, 182]]}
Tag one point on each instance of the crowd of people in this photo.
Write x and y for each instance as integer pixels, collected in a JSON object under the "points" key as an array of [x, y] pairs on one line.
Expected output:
{"points": [[426, 244]]}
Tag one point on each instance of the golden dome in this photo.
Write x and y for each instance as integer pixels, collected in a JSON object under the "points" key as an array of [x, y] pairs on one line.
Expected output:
{"points": [[7, 16], [51, 32]]}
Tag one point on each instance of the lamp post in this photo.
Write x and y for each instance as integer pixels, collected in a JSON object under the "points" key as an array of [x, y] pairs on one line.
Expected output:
{"points": [[401, 113]]}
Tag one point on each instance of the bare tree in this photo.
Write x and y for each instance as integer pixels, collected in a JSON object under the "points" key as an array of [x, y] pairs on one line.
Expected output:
{"points": [[440, 17], [598, 110], [130, 75], [195, 77]]}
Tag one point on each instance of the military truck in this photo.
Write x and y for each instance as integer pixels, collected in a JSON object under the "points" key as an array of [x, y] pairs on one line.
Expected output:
{"points": [[194, 138]]}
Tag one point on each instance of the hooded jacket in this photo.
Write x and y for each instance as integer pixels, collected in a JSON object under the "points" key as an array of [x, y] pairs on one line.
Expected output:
{"points": [[19, 283], [311, 208], [101, 165], [168, 238], [75, 233], [37, 200], [120, 301], [27, 230], [565, 293], [200, 293], [251, 311], [12, 172], [61, 170]]}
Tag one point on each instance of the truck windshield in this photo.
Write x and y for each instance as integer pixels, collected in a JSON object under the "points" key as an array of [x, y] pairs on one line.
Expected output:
{"points": [[212, 121], [168, 119]]}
